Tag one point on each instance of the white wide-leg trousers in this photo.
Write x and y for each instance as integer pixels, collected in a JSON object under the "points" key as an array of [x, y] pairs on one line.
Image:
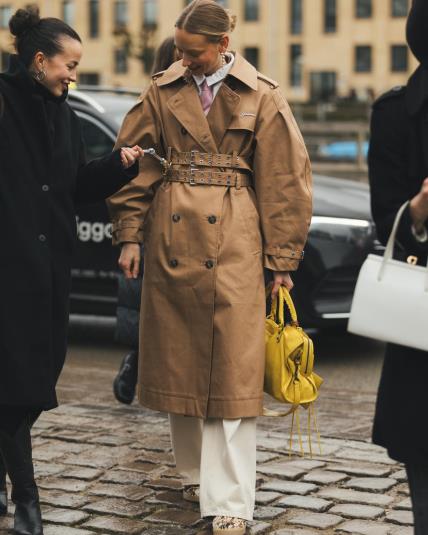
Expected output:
{"points": [[220, 456]]}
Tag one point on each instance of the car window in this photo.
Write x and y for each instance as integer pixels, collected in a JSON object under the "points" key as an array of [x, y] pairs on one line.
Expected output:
{"points": [[98, 139]]}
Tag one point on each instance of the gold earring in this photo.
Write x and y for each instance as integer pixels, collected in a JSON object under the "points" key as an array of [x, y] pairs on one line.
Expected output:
{"points": [[40, 75], [223, 59]]}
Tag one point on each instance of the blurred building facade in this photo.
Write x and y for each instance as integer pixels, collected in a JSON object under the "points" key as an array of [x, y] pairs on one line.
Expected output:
{"points": [[316, 49]]}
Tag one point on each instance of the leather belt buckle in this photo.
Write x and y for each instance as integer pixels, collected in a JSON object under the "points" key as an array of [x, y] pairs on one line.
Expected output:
{"points": [[192, 180]]}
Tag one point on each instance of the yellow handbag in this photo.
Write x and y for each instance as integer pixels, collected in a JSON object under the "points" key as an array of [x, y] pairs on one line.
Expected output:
{"points": [[289, 375]]}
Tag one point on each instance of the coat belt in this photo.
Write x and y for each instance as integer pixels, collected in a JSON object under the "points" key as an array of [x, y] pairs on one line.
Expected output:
{"points": [[209, 178], [210, 159]]}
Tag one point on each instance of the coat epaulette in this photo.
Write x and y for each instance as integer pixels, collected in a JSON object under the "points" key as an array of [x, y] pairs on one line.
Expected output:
{"points": [[396, 91], [157, 75], [271, 83]]}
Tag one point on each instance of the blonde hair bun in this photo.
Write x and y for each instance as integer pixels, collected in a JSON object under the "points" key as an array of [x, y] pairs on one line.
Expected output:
{"points": [[206, 17], [233, 20]]}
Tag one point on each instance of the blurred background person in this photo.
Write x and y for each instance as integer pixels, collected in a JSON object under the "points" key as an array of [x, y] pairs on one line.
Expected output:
{"points": [[398, 170], [129, 290], [43, 177]]}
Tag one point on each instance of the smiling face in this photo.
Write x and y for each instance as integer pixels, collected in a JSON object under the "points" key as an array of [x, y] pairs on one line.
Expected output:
{"points": [[197, 53], [60, 69]]}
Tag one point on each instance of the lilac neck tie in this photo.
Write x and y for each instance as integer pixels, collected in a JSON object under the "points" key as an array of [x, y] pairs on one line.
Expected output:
{"points": [[206, 96]]}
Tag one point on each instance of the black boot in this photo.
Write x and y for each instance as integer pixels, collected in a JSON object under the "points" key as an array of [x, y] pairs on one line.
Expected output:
{"points": [[17, 454], [3, 490], [126, 379]]}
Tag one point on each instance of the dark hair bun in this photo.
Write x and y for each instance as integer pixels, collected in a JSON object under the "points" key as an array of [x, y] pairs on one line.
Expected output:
{"points": [[23, 20]]}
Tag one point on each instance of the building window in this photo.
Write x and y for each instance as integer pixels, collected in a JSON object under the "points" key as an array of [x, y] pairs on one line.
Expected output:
{"points": [[296, 65], [148, 59], [399, 58], [296, 16], [251, 10], [5, 15], [68, 12], [150, 13], [120, 61], [89, 78], [94, 18], [399, 8], [120, 13], [252, 54], [363, 58], [330, 16], [363, 9], [323, 86]]}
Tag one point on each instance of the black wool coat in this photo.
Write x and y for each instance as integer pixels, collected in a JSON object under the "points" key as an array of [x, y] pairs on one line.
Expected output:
{"points": [[43, 175], [398, 164]]}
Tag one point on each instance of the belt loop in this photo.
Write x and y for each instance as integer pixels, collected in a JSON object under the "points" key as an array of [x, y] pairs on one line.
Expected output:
{"points": [[193, 156], [238, 181], [235, 158]]}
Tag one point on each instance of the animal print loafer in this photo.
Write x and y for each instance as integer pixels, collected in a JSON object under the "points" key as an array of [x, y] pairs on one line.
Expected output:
{"points": [[230, 525], [191, 493]]}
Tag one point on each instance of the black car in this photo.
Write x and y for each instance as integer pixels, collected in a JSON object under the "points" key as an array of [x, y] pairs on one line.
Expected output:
{"points": [[341, 233]]}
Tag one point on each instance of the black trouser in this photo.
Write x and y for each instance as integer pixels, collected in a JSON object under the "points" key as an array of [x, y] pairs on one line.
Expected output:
{"points": [[417, 475]]}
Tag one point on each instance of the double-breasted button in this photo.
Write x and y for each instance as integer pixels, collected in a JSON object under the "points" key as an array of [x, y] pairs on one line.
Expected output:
{"points": [[176, 218], [209, 264], [45, 187], [212, 219], [173, 263], [42, 238], [183, 131]]}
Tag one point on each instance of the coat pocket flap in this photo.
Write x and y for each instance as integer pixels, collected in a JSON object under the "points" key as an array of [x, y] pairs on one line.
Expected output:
{"points": [[243, 121]]}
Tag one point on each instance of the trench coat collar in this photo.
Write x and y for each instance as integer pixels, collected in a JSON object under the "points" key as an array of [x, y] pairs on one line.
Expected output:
{"points": [[241, 70], [19, 76], [186, 107]]}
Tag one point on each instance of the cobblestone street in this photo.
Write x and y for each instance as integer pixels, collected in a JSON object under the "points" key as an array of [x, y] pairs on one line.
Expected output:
{"points": [[108, 469], [104, 468]]}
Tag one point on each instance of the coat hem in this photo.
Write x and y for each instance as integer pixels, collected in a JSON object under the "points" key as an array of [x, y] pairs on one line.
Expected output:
{"points": [[200, 408]]}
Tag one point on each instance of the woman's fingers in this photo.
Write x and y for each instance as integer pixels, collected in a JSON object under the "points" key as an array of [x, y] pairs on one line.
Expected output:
{"points": [[281, 278], [275, 288], [129, 260], [129, 155]]}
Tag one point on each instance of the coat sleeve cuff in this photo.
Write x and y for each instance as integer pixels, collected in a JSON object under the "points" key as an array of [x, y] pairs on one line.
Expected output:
{"points": [[279, 258], [126, 231], [280, 264]]}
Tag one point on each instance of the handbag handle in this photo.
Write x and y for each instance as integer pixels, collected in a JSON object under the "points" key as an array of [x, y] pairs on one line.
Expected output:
{"points": [[389, 250], [284, 298]]}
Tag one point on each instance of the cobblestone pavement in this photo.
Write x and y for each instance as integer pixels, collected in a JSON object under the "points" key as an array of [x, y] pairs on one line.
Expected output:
{"points": [[104, 468]]}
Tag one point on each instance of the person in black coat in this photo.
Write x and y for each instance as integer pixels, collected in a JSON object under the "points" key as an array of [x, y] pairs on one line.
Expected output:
{"points": [[398, 171], [43, 176]]}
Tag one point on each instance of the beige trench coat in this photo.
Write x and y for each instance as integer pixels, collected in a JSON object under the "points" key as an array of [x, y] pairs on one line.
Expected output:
{"points": [[203, 298]]}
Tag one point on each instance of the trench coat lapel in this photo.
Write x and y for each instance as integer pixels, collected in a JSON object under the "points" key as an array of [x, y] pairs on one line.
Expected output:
{"points": [[186, 108], [221, 112]]}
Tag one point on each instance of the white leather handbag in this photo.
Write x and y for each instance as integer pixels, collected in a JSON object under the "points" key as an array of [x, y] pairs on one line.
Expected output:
{"points": [[390, 302]]}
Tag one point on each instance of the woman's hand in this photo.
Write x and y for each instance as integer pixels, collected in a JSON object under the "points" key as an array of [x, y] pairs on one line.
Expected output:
{"points": [[129, 155], [281, 278], [129, 260], [419, 207]]}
